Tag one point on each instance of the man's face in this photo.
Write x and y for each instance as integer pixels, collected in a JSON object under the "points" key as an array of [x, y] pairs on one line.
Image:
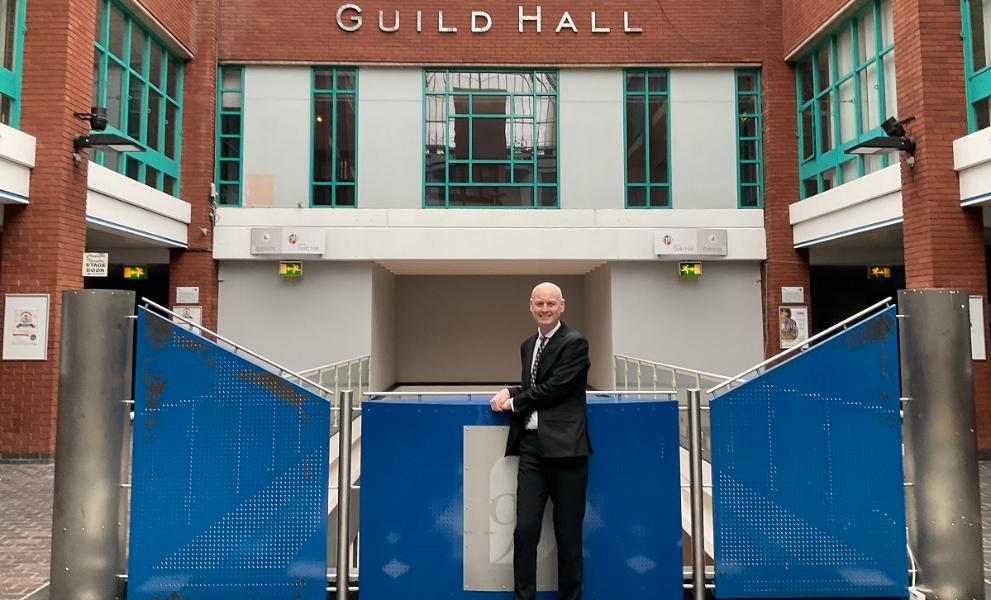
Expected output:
{"points": [[546, 306]]}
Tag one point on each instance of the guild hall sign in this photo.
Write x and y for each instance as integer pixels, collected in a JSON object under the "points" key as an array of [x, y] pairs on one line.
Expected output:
{"points": [[351, 18]]}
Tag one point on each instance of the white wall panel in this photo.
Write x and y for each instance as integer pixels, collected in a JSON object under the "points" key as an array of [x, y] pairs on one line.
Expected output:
{"points": [[713, 323], [277, 133], [703, 138], [321, 318]]}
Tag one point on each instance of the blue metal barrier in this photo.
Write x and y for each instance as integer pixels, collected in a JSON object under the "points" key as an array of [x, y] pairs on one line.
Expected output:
{"points": [[419, 490], [229, 477], [807, 473]]}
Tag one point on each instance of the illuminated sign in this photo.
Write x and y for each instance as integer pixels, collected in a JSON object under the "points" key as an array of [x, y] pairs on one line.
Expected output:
{"points": [[689, 269], [137, 272], [879, 272], [290, 268]]}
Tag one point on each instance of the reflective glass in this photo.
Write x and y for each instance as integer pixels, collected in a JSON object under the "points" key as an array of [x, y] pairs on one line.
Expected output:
{"points": [[636, 137], [118, 25], [345, 141], [490, 196], [323, 169], [137, 58], [658, 106]]}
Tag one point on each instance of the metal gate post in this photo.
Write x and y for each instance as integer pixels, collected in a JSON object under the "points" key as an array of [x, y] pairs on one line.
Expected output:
{"points": [[695, 483], [344, 496], [942, 500], [94, 382]]}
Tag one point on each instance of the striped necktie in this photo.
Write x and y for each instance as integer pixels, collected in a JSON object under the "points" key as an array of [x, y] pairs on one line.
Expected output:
{"points": [[536, 361]]}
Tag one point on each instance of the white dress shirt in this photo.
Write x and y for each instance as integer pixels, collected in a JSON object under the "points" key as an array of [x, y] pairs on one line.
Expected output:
{"points": [[531, 423]]}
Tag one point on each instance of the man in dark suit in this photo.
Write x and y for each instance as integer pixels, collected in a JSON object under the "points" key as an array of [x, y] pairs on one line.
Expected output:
{"points": [[549, 431]]}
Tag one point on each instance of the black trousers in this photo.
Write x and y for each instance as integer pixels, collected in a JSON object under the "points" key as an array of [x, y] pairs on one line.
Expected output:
{"points": [[564, 481]]}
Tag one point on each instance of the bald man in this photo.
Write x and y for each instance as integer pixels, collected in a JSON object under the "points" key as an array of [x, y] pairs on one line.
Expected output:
{"points": [[548, 430]]}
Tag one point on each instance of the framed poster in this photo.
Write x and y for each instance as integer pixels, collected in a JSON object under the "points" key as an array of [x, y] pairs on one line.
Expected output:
{"points": [[977, 351], [793, 325], [25, 327]]}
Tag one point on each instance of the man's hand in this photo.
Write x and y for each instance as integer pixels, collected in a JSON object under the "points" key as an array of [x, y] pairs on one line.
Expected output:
{"points": [[500, 402]]}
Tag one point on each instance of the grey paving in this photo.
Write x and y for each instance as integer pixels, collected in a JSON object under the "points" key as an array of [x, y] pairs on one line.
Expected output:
{"points": [[25, 527]]}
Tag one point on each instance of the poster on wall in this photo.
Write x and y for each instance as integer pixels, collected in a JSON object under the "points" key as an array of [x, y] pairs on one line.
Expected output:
{"points": [[25, 327], [977, 351], [793, 325]]}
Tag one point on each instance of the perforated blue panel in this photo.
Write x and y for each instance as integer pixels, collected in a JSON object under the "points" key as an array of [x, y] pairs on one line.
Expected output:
{"points": [[412, 499], [807, 473], [229, 476]]}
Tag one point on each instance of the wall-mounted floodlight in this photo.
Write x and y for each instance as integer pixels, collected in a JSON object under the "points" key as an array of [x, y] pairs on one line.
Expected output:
{"points": [[113, 141], [895, 140]]}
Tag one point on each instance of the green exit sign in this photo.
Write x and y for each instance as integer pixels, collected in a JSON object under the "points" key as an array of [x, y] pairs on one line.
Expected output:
{"points": [[689, 269], [291, 268], [879, 272], [135, 272]]}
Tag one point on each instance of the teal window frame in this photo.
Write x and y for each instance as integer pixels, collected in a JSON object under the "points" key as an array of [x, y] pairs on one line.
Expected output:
{"points": [[153, 166], [648, 185], [743, 119], [538, 184], [230, 188], [978, 83], [10, 79], [826, 167], [335, 183]]}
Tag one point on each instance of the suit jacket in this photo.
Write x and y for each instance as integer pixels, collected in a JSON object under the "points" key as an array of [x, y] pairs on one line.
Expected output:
{"points": [[559, 396]]}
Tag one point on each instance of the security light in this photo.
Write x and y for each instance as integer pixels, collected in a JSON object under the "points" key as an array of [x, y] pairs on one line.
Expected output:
{"points": [[882, 144], [106, 140], [97, 117]]}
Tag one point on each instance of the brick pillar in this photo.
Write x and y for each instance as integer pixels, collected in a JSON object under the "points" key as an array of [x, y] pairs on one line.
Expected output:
{"points": [[944, 243], [195, 267], [784, 266], [44, 241]]}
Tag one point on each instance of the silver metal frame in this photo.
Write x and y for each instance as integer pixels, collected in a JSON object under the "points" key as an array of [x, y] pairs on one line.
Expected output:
{"points": [[443, 394], [804, 345], [695, 482], [282, 371], [344, 496]]}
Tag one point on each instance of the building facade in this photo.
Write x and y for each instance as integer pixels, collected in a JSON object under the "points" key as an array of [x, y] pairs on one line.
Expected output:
{"points": [[323, 182]]}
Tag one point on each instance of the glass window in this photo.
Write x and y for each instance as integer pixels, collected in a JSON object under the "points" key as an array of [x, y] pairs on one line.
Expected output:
{"points": [[11, 47], [490, 138], [976, 16], [335, 137], [749, 135], [128, 80], [230, 84], [859, 60], [648, 165]]}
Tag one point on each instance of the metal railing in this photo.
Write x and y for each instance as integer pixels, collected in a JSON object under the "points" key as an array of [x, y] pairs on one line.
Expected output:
{"points": [[268, 364], [642, 374], [798, 349], [353, 375]]}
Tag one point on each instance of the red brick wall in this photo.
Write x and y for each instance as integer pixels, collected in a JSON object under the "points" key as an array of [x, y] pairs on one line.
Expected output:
{"points": [[944, 243], [800, 19], [43, 242], [784, 265], [674, 31], [179, 17], [195, 267]]}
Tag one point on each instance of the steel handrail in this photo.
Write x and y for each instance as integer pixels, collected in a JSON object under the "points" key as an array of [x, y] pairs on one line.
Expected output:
{"points": [[670, 367], [805, 344], [490, 392], [239, 347], [356, 359]]}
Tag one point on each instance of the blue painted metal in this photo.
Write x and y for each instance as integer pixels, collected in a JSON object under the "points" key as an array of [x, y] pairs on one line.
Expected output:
{"points": [[229, 477], [807, 473], [412, 499]]}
